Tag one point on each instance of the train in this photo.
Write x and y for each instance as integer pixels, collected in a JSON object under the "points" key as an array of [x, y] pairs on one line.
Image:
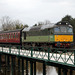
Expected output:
{"points": [[50, 35]]}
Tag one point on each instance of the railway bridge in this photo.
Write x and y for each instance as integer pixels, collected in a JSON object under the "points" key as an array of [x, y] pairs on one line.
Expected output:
{"points": [[63, 59]]}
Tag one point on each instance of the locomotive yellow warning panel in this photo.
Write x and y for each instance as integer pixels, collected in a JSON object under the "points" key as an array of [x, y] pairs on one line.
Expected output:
{"points": [[63, 38]]}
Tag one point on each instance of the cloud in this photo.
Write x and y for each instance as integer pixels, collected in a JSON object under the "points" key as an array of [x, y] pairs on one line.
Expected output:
{"points": [[32, 11]]}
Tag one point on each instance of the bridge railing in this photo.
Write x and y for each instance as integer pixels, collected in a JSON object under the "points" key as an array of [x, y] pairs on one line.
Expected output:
{"points": [[57, 55]]}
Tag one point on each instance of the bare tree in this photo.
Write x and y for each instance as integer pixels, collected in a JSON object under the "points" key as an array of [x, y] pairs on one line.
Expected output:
{"points": [[40, 23], [46, 22], [8, 24], [19, 25]]}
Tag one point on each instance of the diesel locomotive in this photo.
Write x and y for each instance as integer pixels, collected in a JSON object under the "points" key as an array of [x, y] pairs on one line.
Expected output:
{"points": [[51, 35]]}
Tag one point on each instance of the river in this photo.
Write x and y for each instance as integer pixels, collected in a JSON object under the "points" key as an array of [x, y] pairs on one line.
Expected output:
{"points": [[50, 70]]}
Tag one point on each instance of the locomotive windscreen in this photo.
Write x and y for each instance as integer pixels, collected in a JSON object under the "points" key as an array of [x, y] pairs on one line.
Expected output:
{"points": [[63, 30]]}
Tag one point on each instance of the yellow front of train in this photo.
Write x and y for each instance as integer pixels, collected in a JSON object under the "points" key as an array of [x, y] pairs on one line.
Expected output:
{"points": [[63, 35]]}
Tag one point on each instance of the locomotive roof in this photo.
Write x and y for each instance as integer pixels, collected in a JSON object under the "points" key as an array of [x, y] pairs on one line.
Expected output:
{"points": [[51, 25], [41, 27], [27, 29], [10, 31]]}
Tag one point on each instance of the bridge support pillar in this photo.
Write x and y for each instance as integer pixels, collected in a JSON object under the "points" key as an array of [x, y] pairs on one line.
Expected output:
{"points": [[8, 65], [65, 71], [34, 68], [0, 64], [22, 66], [44, 68], [18, 66], [26, 67], [59, 71], [31, 67], [12, 65], [71, 72], [5, 64]]}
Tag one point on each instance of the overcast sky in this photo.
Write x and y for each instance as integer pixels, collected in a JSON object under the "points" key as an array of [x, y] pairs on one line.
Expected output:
{"points": [[33, 11]]}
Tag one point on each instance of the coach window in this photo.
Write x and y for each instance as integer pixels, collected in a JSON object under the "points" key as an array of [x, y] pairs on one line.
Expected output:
{"points": [[4, 36], [9, 36], [0, 36], [14, 35], [17, 35]]}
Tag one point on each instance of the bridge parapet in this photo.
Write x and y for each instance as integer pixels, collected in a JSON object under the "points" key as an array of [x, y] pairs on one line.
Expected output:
{"points": [[56, 55]]}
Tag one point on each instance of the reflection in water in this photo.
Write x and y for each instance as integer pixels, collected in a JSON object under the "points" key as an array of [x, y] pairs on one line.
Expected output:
{"points": [[39, 69], [49, 70]]}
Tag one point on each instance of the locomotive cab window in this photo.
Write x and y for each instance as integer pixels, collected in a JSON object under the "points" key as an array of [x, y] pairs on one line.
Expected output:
{"points": [[69, 29], [63, 29], [57, 29]]}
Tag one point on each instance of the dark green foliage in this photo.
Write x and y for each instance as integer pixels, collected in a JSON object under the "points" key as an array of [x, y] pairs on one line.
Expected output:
{"points": [[35, 25], [26, 26], [67, 18], [70, 20], [18, 26]]}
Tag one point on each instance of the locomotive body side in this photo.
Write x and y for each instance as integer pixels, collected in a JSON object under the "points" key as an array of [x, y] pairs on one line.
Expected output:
{"points": [[57, 36], [39, 36]]}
